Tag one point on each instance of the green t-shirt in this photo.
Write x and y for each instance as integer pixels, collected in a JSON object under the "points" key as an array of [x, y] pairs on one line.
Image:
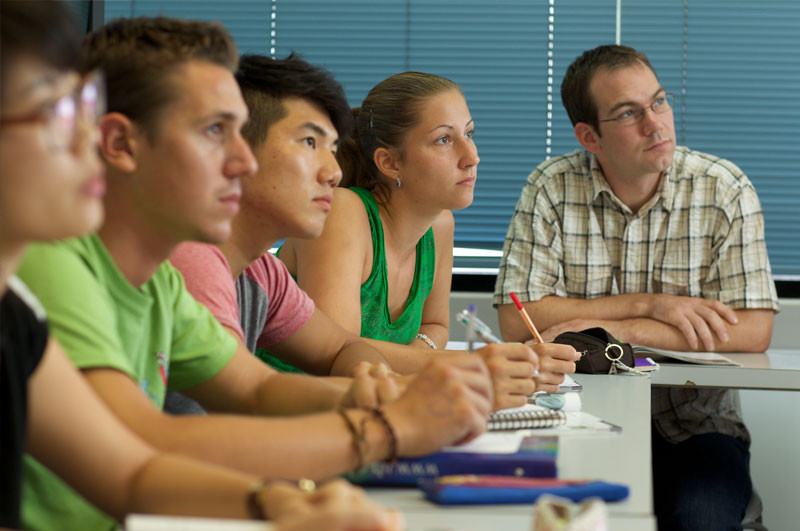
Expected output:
{"points": [[153, 333]]}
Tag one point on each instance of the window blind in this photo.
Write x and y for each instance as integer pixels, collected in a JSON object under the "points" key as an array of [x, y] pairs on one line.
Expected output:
{"points": [[733, 69], [742, 104], [248, 21]]}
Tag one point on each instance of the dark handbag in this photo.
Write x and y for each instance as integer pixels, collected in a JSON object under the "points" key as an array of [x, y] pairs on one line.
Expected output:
{"points": [[600, 351]]}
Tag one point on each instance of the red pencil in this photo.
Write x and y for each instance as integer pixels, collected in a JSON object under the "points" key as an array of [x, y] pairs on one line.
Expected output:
{"points": [[526, 318]]}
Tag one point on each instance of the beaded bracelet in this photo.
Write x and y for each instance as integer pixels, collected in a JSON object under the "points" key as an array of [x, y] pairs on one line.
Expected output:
{"points": [[358, 438], [428, 341]]}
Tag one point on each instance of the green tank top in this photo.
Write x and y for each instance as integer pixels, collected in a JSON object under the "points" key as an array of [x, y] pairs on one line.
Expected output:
{"points": [[376, 322]]}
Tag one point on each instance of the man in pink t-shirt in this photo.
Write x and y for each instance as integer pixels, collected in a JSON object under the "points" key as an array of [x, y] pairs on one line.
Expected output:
{"points": [[263, 307]]}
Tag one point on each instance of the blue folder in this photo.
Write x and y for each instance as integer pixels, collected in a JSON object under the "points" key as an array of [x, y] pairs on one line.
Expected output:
{"points": [[408, 472]]}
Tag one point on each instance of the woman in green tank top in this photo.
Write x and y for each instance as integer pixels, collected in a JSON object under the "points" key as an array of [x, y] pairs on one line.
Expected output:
{"points": [[382, 267]]}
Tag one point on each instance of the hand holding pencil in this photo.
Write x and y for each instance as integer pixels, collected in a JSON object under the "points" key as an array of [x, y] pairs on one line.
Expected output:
{"points": [[526, 318], [554, 360]]}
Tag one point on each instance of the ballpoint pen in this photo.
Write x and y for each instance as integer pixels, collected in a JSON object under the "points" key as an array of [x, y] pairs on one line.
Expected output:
{"points": [[470, 327], [479, 328]]}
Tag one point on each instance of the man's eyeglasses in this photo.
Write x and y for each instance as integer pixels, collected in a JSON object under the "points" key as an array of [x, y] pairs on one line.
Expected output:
{"points": [[635, 114], [87, 101]]}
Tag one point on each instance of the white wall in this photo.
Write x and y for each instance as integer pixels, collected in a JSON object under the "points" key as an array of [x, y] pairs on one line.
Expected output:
{"points": [[773, 417]]}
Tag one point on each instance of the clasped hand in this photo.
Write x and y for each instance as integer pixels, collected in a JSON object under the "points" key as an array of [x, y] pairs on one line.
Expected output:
{"points": [[695, 317], [374, 384]]}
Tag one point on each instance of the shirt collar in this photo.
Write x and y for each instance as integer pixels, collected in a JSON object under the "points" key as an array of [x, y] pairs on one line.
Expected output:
{"points": [[665, 192]]}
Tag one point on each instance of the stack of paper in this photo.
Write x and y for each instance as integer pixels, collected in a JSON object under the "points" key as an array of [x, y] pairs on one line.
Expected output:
{"points": [[700, 358]]}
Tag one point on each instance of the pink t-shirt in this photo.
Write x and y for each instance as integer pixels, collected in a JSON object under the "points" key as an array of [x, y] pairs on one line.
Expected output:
{"points": [[264, 305]]}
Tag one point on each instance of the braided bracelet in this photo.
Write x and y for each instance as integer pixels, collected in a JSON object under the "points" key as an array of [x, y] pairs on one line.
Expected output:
{"points": [[254, 508], [381, 417], [428, 341], [358, 438]]}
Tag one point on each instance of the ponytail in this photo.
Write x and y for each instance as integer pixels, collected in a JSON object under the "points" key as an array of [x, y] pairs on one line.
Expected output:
{"points": [[388, 112]]}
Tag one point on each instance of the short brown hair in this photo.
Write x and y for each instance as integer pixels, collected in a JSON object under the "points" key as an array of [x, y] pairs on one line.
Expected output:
{"points": [[390, 109], [139, 57], [575, 93]]}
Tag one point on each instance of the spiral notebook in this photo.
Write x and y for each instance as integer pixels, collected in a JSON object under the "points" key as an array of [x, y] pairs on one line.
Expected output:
{"points": [[529, 416]]}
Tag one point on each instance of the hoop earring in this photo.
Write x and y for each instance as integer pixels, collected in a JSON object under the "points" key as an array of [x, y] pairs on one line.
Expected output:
{"points": [[398, 182]]}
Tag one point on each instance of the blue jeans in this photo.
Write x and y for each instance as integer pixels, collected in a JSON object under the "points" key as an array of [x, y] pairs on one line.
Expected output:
{"points": [[702, 483]]}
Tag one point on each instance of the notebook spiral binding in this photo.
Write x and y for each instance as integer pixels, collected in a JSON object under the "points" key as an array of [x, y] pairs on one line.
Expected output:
{"points": [[527, 419]]}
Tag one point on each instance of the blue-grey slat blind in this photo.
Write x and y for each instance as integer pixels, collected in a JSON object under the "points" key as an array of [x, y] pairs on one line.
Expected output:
{"points": [[733, 69], [360, 41], [247, 20], [742, 104], [658, 31], [579, 25]]}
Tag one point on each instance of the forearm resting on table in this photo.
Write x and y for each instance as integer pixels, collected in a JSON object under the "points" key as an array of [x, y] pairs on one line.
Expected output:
{"points": [[410, 359], [274, 448], [172, 484], [293, 394], [551, 310], [751, 334], [74, 434], [436, 332], [404, 359]]}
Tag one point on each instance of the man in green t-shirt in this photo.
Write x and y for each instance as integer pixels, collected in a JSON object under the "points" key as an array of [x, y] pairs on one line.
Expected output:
{"points": [[174, 157]]}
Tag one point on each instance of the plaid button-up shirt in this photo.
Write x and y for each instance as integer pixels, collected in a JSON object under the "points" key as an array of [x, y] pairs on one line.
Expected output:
{"points": [[700, 235]]}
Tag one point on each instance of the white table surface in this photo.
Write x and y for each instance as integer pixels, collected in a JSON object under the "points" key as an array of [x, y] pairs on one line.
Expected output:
{"points": [[777, 369], [622, 458]]}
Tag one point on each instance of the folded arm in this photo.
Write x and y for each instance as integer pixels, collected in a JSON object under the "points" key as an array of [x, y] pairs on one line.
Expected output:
{"points": [[658, 320]]}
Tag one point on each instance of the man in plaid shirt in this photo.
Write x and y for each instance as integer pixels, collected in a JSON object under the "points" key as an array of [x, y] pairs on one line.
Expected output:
{"points": [[660, 245]]}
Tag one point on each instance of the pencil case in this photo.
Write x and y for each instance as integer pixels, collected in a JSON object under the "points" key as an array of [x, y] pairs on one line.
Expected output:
{"points": [[599, 350]]}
